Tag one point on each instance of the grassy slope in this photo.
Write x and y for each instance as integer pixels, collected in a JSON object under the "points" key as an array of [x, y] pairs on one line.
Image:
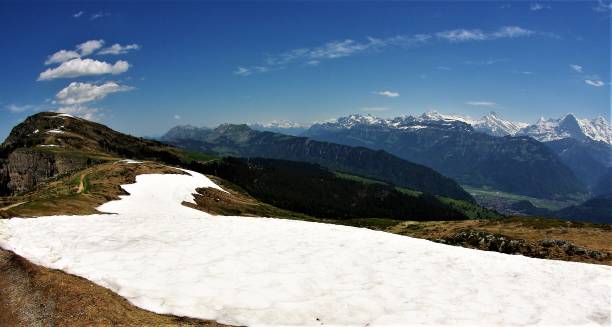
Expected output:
{"points": [[510, 197], [472, 211]]}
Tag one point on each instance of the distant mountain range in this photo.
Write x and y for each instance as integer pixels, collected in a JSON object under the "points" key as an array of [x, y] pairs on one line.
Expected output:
{"points": [[453, 146], [242, 141], [280, 126]]}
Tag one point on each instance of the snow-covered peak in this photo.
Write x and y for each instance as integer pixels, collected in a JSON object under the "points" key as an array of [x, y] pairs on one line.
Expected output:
{"points": [[356, 119], [597, 129], [492, 124], [436, 116], [569, 126], [280, 124]]}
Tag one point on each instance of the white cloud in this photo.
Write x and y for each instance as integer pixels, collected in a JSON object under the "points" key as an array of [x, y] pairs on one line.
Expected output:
{"points": [[83, 67], [177, 117], [243, 71], [375, 109], [603, 6], [444, 68], [98, 15], [461, 35], [538, 6], [344, 48], [510, 32], [597, 83], [389, 94], [82, 111], [89, 47], [62, 56], [78, 14], [482, 103], [17, 108], [117, 48], [464, 35], [78, 93], [577, 68]]}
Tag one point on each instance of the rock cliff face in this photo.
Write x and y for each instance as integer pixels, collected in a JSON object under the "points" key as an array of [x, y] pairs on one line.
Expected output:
{"points": [[28, 167], [4, 178]]}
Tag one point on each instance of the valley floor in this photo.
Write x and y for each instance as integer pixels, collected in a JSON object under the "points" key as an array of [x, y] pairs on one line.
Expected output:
{"points": [[168, 258]]}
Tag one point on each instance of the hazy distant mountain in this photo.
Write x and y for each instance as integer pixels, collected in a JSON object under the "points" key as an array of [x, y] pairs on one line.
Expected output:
{"points": [[451, 145], [588, 159], [241, 141], [184, 132], [598, 209], [280, 126]]}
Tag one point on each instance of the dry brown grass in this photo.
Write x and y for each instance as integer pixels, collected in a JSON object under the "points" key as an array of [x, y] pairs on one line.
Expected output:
{"points": [[70, 195], [591, 236]]}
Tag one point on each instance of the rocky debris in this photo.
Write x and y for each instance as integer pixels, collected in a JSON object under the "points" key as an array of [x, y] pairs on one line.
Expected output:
{"points": [[546, 249], [572, 249], [487, 241]]}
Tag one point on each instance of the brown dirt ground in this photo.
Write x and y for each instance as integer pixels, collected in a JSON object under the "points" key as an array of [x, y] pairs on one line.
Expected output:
{"points": [[31, 295]]}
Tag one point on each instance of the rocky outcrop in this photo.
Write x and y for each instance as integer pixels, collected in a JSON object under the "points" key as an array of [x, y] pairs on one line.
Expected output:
{"points": [[4, 178], [546, 249], [28, 167]]}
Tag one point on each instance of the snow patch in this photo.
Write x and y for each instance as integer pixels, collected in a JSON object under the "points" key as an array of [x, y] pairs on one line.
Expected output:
{"points": [[130, 161], [65, 115], [168, 258], [55, 131]]}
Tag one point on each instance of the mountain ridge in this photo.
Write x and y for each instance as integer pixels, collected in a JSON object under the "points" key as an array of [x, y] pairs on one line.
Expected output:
{"points": [[517, 164], [242, 141]]}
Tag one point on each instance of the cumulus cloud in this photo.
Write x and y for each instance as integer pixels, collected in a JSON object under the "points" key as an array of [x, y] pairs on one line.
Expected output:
{"points": [[89, 47], [62, 56], [576, 68], [82, 111], [117, 48], [388, 94], [82, 50], [78, 93], [78, 14], [83, 67], [482, 103], [596, 83]]}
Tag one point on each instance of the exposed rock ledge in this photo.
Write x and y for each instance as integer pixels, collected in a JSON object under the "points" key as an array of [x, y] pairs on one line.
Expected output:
{"points": [[546, 249]]}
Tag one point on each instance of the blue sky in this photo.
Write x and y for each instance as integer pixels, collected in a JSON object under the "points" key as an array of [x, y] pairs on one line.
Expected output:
{"points": [[148, 67]]}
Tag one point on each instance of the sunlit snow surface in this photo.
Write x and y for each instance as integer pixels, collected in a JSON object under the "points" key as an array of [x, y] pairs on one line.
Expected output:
{"points": [[168, 258]]}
